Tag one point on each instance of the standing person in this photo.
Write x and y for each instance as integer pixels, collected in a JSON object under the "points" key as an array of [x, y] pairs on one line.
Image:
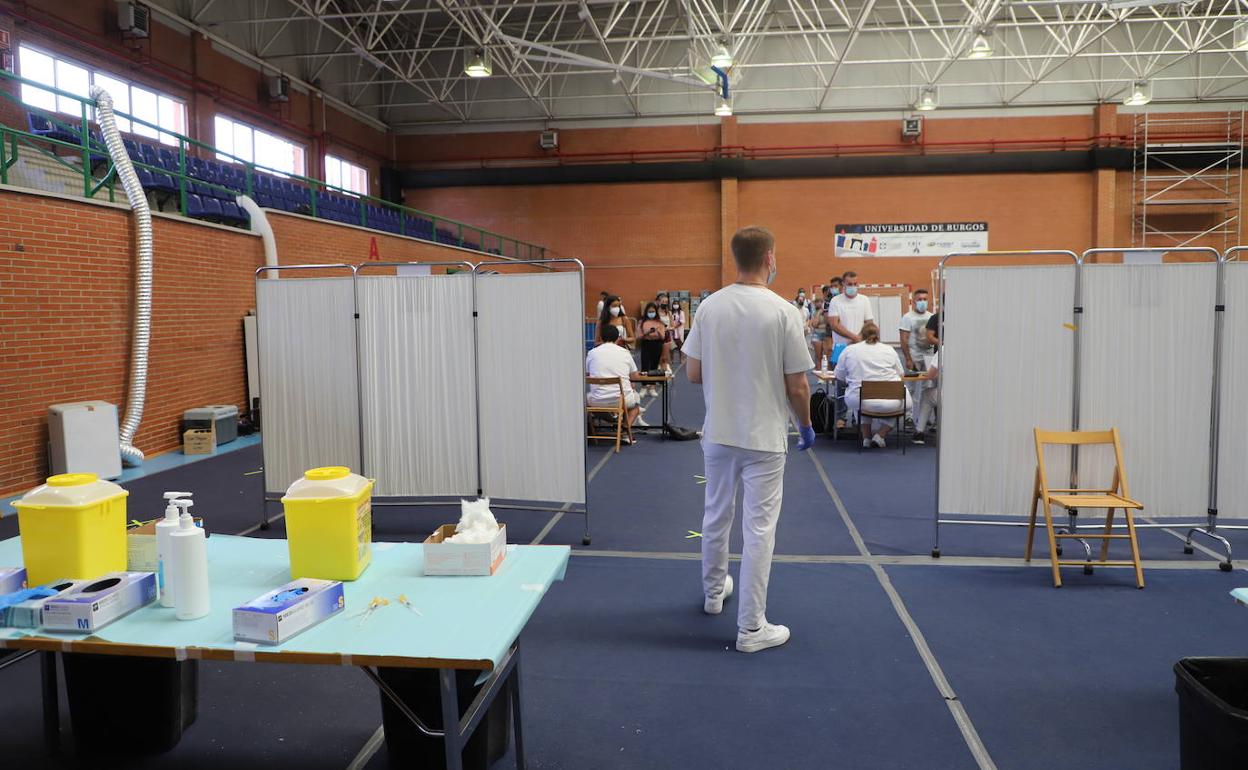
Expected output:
{"points": [[678, 326], [613, 315], [652, 341], [748, 351], [847, 312], [933, 329], [915, 350], [929, 400]]}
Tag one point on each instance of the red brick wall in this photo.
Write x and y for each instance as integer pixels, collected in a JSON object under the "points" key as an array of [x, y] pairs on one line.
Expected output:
{"points": [[66, 292]]}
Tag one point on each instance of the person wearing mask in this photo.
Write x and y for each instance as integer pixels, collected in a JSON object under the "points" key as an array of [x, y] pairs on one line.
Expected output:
{"points": [[613, 315], [846, 314], [665, 309], [915, 350], [652, 341], [678, 326], [806, 308], [748, 351], [870, 361], [610, 359]]}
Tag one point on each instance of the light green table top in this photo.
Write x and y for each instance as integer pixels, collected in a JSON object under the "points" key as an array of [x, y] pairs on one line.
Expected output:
{"points": [[465, 622]]}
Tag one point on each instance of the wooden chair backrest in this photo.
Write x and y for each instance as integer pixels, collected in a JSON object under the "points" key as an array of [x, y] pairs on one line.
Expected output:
{"points": [[884, 389], [1080, 438], [608, 381]]}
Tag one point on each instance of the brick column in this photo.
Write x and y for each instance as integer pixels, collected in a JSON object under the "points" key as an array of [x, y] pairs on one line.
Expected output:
{"points": [[1104, 208], [727, 226]]}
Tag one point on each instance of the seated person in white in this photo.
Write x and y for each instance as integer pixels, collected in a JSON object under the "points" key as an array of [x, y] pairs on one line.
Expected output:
{"points": [[611, 359], [870, 361]]}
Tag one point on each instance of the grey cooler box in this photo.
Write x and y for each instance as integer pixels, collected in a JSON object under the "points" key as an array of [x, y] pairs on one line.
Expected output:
{"points": [[224, 417]]}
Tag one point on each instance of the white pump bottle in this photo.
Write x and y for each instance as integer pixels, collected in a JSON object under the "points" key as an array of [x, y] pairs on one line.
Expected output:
{"points": [[164, 554], [190, 567]]}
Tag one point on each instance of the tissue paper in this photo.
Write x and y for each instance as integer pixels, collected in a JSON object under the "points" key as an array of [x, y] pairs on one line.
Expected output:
{"points": [[476, 523]]}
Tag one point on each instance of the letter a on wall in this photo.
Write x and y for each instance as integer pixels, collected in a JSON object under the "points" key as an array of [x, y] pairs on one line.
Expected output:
{"points": [[373, 252]]}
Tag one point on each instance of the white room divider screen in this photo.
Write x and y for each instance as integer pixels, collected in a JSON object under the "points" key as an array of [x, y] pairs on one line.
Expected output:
{"points": [[417, 383], [308, 367], [1233, 431], [1147, 369], [532, 389], [1006, 365]]}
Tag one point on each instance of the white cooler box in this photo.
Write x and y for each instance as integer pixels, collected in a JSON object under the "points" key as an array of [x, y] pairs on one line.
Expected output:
{"points": [[83, 438], [222, 417]]}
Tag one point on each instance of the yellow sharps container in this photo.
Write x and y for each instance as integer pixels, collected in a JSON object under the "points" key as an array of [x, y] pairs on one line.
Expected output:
{"points": [[74, 526], [329, 524]]}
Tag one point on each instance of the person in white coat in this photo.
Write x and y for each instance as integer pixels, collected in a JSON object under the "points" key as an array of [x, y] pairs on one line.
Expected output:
{"points": [[748, 350], [870, 361]]}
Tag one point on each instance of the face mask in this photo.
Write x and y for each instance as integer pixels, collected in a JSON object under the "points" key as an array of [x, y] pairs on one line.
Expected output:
{"points": [[615, 311], [801, 298], [651, 314], [851, 291], [834, 293], [771, 273], [921, 306]]}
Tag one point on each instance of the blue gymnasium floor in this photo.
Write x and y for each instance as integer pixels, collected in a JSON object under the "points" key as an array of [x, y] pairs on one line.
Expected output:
{"points": [[623, 671]]}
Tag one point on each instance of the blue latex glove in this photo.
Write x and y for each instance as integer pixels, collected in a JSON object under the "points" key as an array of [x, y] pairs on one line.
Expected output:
{"points": [[806, 437]]}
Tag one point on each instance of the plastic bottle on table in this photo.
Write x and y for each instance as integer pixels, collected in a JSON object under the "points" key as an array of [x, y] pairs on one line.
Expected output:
{"points": [[823, 364], [164, 554], [190, 567]]}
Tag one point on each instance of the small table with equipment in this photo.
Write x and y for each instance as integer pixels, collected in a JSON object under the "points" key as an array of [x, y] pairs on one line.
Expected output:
{"points": [[453, 624], [663, 382]]}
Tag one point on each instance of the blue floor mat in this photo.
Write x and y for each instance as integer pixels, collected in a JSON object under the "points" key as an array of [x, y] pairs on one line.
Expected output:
{"points": [[1086, 670]]}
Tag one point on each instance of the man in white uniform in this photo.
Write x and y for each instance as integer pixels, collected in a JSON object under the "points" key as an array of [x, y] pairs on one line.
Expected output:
{"points": [[915, 349], [609, 359], [846, 314], [748, 349]]}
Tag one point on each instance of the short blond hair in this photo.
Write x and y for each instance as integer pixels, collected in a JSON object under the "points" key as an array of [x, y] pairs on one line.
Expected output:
{"points": [[750, 246]]}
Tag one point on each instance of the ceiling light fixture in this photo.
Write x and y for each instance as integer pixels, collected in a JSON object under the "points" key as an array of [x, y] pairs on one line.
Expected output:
{"points": [[927, 99], [1240, 35], [722, 57], [1140, 95], [982, 47], [477, 65], [724, 108]]}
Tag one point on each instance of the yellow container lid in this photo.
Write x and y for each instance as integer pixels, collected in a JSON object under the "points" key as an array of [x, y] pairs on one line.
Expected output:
{"points": [[334, 481], [71, 490]]}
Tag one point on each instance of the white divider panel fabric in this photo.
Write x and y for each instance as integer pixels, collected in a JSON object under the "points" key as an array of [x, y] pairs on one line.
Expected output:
{"points": [[887, 311], [1006, 367], [531, 359], [1233, 430], [1147, 370], [307, 364], [418, 384]]}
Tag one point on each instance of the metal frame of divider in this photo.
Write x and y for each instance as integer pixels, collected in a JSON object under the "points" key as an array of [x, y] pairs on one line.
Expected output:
{"points": [[1074, 417], [416, 500], [1211, 525]]}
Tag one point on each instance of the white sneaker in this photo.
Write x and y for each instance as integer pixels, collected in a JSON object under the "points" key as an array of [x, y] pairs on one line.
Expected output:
{"points": [[878, 440], [767, 636], [640, 423], [716, 605], [866, 443]]}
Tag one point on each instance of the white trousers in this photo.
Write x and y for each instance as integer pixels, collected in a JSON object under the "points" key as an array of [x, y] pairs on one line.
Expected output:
{"points": [[762, 475], [926, 404], [874, 404]]}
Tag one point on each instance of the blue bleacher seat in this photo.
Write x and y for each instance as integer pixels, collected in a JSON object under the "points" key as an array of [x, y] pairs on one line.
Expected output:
{"points": [[145, 178], [132, 149], [64, 131], [212, 208], [231, 212], [194, 206]]}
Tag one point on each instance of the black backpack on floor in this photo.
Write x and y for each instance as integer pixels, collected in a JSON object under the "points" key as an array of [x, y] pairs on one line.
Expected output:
{"points": [[822, 411]]}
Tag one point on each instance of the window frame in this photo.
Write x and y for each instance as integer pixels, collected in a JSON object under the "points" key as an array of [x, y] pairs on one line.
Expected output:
{"points": [[344, 165], [233, 153]]}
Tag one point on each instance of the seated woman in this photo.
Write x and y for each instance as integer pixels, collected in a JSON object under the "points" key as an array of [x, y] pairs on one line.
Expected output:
{"points": [[870, 361], [652, 341], [613, 315]]}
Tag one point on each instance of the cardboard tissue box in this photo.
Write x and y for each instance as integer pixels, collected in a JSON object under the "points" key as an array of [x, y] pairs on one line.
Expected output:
{"points": [[24, 609], [12, 579], [442, 558], [279, 615], [99, 602], [141, 551]]}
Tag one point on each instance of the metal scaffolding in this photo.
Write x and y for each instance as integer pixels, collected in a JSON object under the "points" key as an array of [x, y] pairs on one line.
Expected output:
{"points": [[1187, 180]]}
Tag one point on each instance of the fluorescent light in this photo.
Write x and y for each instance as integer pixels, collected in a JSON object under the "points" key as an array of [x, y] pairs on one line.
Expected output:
{"points": [[981, 48], [724, 108], [368, 56], [927, 99], [477, 65], [1240, 39], [722, 57], [1141, 94]]}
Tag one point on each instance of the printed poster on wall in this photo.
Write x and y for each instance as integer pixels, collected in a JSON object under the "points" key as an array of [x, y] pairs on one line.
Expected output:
{"points": [[923, 239]]}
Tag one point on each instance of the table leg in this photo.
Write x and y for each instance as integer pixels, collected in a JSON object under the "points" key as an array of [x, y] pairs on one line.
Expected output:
{"points": [[450, 720], [667, 408], [51, 703], [515, 712]]}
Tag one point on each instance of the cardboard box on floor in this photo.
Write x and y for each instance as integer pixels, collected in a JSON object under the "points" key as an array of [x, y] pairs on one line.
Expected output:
{"points": [[442, 558], [199, 441]]}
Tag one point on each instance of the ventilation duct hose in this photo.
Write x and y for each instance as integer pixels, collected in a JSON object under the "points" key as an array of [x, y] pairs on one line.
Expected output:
{"points": [[142, 333]]}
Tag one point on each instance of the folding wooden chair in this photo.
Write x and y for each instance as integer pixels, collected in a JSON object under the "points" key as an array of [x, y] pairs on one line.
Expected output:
{"points": [[618, 410], [885, 389], [1116, 496]]}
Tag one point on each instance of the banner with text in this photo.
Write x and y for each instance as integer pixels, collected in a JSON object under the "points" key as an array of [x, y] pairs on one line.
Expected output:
{"points": [[927, 239]]}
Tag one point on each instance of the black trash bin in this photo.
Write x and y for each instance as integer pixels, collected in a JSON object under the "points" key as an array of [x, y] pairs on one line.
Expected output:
{"points": [[1213, 712], [420, 692], [122, 705]]}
